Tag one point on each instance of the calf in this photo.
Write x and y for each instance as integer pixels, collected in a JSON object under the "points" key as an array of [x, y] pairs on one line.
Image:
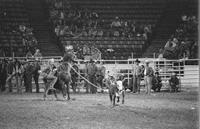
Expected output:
{"points": [[115, 92]]}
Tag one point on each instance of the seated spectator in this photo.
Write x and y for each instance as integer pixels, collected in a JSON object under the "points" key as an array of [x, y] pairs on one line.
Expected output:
{"points": [[174, 83], [29, 54], [22, 28], [116, 23], [58, 4], [156, 82], [169, 51], [184, 18], [174, 42], [2, 52], [100, 33], [37, 54], [116, 34], [57, 30], [160, 54], [194, 51]]}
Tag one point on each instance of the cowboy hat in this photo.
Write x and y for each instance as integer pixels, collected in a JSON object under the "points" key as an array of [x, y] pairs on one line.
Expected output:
{"points": [[137, 60], [147, 61]]}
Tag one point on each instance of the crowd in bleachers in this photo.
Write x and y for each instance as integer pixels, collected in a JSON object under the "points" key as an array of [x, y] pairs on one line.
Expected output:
{"points": [[16, 34], [183, 43], [23, 34], [74, 21]]}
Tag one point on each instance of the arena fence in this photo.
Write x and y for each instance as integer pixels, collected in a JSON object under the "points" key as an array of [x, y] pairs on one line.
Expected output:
{"points": [[187, 70]]}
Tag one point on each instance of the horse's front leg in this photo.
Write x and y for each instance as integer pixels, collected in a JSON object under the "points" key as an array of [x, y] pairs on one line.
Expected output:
{"points": [[111, 99], [68, 94], [55, 94], [45, 90], [64, 90], [114, 96], [123, 95]]}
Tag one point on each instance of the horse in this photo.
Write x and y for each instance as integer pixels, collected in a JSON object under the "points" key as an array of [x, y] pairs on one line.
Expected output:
{"points": [[74, 77], [62, 83], [114, 90]]}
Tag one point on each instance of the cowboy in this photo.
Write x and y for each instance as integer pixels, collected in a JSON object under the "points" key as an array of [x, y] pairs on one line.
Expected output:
{"points": [[100, 75], [18, 70], [37, 54], [67, 61], [156, 82], [49, 73], [69, 55], [36, 74], [91, 73], [3, 74], [137, 74], [148, 76], [28, 73], [10, 73], [174, 82]]}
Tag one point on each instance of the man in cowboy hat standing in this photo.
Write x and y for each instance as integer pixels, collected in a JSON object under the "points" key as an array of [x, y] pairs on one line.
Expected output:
{"points": [[36, 74], [148, 76], [137, 74], [91, 73]]}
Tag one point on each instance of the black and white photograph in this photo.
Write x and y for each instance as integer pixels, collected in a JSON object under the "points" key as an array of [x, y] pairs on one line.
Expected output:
{"points": [[99, 64]]}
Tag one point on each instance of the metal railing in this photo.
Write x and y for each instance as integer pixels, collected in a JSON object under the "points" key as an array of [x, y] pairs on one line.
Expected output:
{"points": [[186, 69]]}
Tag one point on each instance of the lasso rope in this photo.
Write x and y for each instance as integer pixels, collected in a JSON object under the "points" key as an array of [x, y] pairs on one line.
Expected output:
{"points": [[84, 78]]}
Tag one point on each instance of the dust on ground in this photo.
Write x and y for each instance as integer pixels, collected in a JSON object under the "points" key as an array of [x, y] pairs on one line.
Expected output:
{"points": [[94, 111]]}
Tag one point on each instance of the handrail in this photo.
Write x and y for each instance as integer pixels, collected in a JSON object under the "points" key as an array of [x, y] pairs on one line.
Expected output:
{"points": [[116, 61]]}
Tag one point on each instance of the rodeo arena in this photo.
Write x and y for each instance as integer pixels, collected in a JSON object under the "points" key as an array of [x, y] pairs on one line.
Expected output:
{"points": [[99, 64]]}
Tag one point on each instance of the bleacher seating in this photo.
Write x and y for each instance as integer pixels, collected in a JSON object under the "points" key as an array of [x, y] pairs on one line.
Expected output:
{"points": [[140, 11], [13, 13]]}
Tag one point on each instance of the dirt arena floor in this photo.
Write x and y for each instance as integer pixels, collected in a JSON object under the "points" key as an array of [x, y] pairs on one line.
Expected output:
{"points": [[85, 111]]}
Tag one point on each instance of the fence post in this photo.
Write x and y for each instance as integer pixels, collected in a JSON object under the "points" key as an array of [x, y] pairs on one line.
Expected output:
{"points": [[128, 74]]}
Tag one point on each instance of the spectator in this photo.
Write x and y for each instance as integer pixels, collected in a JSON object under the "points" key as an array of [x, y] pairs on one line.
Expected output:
{"points": [[116, 23], [137, 74], [29, 54], [156, 82], [148, 73], [3, 74], [91, 72], [160, 54], [174, 83], [38, 54]]}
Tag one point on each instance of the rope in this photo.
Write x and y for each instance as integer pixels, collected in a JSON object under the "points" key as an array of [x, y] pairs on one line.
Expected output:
{"points": [[84, 78]]}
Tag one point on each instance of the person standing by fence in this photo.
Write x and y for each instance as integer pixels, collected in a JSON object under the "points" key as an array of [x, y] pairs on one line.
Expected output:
{"points": [[91, 73], [3, 74], [36, 74], [28, 73], [10, 74], [137, 74], [100, 75], [148, 76], [17, 74]]}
